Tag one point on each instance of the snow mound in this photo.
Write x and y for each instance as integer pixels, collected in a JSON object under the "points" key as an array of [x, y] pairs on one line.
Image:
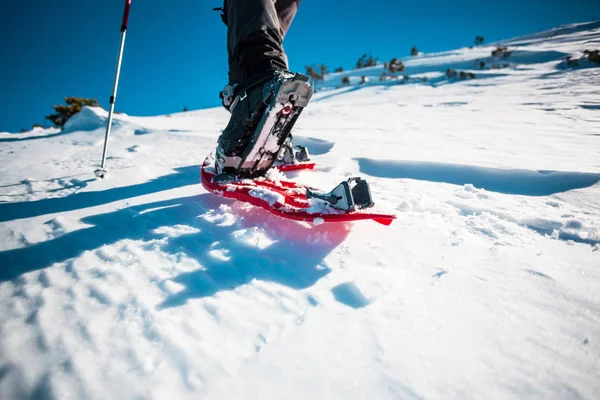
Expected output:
{"points": [[88, 119]]}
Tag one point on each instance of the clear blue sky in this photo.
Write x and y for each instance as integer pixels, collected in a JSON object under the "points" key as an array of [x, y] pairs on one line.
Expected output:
{"points": [[175, 51]]}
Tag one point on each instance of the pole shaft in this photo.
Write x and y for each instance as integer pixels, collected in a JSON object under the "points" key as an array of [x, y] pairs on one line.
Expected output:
{"points": [[125, 15], [113, 97]]}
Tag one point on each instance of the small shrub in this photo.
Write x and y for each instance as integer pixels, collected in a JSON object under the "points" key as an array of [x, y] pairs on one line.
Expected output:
{"points": [[366, 61], [466, 75], [360, 63], [482, 64], [405, 77], [65, 112], [316, 72], [364, 79], [425, 79], [501, 52], [323, 70], [571, 62], [462, 75], [479, 40], [395, 65], [338, 69], [36, 125], [311, 72], [414, 51], [592, 55], [346, 80], [185, 109], [23, 130]]}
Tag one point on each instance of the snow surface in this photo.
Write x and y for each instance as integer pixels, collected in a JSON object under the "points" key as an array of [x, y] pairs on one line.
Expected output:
{"points": [[143, 285]]}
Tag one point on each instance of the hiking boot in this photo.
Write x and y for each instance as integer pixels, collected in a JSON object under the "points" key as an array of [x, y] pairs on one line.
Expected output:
{"points": [[263, 112]]}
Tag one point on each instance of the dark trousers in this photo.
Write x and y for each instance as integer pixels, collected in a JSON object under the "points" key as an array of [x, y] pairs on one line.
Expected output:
{"points": [[255, 33]]}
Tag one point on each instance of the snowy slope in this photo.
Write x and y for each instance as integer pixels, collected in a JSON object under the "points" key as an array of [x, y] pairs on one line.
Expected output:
{"points": [[486, 286]]}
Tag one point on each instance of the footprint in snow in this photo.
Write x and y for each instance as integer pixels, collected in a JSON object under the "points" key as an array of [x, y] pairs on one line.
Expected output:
{"points": [[350, 295]]}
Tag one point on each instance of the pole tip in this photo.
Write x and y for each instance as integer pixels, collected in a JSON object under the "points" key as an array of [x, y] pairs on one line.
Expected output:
{"points": [[101, 173]]}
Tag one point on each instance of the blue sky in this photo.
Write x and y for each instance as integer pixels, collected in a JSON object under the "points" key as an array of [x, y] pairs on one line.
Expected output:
{"points": [[175, 53]]}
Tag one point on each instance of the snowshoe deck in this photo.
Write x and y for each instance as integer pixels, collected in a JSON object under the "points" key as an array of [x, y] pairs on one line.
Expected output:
{"points": [[285, 199]]}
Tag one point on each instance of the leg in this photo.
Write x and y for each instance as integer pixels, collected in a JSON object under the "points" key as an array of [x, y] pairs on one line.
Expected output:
{"points": [[286, 11], [254, 38], [257, 63], [254, 47]]}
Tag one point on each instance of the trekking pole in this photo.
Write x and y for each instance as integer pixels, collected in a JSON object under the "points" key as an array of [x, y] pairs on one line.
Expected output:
{"points": [[102, 171]]}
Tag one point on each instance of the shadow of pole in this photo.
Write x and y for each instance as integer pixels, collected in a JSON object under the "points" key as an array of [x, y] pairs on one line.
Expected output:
{"points": [[183, 176]]}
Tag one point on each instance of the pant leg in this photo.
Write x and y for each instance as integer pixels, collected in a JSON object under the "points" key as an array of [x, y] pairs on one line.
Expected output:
{"points": [[254, 38], [286, 10]]}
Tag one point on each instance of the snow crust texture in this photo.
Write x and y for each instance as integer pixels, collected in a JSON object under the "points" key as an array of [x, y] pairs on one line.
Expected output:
{"points": [[144, 286]]}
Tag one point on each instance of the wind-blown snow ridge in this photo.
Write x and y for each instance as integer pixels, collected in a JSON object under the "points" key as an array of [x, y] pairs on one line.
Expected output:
{"points": [[142, 285]]}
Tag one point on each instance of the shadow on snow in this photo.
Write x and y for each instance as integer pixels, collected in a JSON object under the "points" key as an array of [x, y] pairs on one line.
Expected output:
{"points": [[183, 176], [294, 259], [508, 181], [26, 138]]}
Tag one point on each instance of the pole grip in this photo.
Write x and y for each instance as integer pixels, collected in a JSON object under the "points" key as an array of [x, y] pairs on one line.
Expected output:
{"points": [[125, 15]]}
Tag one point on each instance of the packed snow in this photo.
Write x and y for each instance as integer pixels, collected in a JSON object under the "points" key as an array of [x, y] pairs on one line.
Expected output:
{"points": [[143, 285]]}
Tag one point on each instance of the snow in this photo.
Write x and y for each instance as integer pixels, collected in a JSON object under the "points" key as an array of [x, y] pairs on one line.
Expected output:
{"points": [[318, 221], [275, 175], [267, 195], [143, 285]]}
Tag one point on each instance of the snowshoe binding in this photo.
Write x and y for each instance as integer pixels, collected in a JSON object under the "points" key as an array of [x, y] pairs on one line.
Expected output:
{"points": [[349, 196], [291, 154], [263, 113]]}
